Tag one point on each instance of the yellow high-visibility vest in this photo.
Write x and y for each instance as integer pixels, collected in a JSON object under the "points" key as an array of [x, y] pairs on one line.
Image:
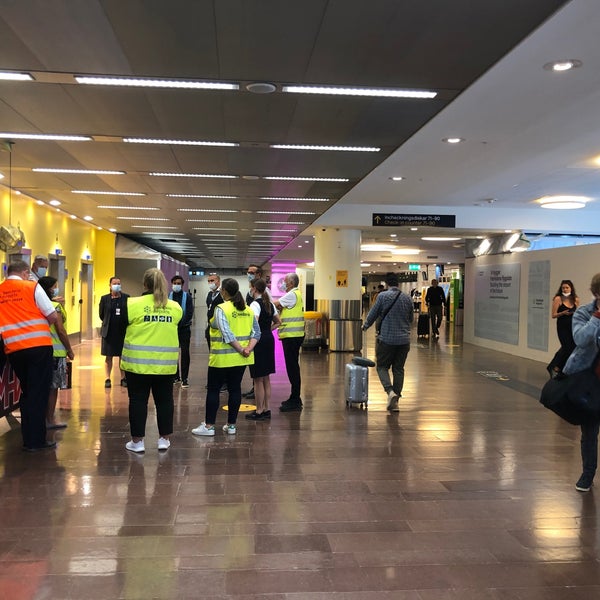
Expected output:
{"points": [[151, 342], [58, 348], [222, 354], [292, 319]]}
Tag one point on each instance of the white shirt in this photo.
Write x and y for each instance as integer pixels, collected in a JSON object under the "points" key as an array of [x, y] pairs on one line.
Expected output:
{"points": [[255, 306], [289, 299], [41, 298]]}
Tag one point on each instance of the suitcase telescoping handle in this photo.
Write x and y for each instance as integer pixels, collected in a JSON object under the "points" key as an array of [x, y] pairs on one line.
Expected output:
{"points": [[363, 362]]}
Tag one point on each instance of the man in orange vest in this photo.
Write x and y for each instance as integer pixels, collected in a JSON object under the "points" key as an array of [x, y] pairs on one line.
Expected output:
{"points": [[26, 314]]}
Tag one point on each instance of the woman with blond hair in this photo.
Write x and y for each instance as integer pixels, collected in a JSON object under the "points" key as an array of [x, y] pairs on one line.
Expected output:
{"points": [[149, 359]]}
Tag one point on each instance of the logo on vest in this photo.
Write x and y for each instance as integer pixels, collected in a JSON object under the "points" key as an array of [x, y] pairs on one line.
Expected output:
{"points": [[157, 319]]}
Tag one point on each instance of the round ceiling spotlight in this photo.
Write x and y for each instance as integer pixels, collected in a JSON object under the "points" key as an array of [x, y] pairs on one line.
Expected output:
{"points": [[559, 66], [261, 88], [563, 202], [453, 140]]}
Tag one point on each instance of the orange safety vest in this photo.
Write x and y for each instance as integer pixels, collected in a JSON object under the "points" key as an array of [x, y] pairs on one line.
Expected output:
{"points": [[22, 324]]}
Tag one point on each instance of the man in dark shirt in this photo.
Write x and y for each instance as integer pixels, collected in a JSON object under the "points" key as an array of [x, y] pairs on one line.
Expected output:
{"points": [[184, 329], [213, 299], [435, 300]]}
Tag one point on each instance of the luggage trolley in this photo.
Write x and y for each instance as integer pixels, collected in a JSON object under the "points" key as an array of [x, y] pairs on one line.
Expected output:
{"points": [[357, 381]]}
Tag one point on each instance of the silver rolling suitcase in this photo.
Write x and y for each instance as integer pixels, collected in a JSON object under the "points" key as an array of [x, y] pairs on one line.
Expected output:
{"points": [[357, 385]]}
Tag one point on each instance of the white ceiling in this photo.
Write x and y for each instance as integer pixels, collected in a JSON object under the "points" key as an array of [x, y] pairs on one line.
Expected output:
{"points": [[528, 131]]}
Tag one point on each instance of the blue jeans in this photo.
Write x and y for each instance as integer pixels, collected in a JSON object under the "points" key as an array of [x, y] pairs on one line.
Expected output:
{"points": [[391, 356], [589, 447]]}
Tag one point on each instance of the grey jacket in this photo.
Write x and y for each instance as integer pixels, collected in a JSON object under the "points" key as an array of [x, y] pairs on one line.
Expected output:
{"points": [[586, 331]]}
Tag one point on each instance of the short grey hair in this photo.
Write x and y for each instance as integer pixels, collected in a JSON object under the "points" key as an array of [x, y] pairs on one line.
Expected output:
{"points": [[293, 279]]}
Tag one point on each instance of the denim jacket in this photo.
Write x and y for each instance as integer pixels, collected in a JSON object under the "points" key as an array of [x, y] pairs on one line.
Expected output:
{"points": [[586, 330]]}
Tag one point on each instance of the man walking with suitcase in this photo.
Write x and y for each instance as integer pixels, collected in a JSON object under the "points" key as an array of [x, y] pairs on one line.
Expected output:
{"points": [[395, 313], [435, 300]]}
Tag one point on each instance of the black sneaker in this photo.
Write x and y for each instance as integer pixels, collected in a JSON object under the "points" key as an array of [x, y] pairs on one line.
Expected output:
{"points": [[584, 483], [107, 383], [254, 416], [123, 382], [291, 406], [176, 380], [184, 383]]}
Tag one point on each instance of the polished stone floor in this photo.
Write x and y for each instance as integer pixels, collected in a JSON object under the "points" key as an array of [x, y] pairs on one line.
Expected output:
{"points": [[466, 494]]}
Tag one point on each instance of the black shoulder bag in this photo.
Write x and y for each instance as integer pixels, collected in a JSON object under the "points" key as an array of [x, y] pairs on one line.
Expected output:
{"points": [[379, 321]]}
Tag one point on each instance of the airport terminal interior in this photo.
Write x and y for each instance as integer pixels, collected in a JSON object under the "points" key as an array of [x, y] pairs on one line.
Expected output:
{"points": [[466, 493]]}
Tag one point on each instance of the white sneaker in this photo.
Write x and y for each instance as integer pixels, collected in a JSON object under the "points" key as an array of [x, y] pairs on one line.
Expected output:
{"points": [[393, 401], [163, 443], [202, 429], [230, 429], [135, 446]]}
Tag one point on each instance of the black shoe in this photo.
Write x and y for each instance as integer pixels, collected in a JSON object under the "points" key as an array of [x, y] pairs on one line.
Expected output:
{"points": [[123, 382], [584, 483], [266, 414], [254, 416], [184, 383], [107, 383], [46, 446], [291, 406], [176, 380]]}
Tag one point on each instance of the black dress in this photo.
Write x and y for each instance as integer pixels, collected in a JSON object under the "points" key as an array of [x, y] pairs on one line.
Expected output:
{"points": [[264, 351], [113, 312], [564, 330]]}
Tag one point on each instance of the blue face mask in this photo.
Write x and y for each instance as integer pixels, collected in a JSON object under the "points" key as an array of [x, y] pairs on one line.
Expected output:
{"points": [[54, 292], [115, 288], [251, 276], [41, 271], [176, 287]]}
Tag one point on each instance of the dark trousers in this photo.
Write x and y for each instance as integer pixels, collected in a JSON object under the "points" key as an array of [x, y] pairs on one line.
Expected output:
{"points": [[139, 388], [589, 447], [388, 356], [185, 336], [291, 353], [33, 367], [436, 313], [217, 376]]}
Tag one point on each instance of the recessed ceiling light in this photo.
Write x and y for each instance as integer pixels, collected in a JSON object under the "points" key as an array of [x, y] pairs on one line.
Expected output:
{"points": [[330, 148], [398, 178], [453, 140], [260, 87], [179, 142], [88, 218], [562, 65], [440, 239], [143, 219], [112, 230], [414, 229], [77, 171], [54, 202], [40, 202], [393, 235], [377, 247], [508, 231], [353, 91], [201, 196], [46, 136], [563, 202], [128, 207], [210, 210], [296, 199], [10, 76], [155, 83]]}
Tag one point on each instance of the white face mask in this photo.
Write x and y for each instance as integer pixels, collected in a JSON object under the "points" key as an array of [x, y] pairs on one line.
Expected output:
{"points": [[566, 294], [41, 271], [176, 287], [115, 288], [54, 292], [251, 276], [212, 287]]}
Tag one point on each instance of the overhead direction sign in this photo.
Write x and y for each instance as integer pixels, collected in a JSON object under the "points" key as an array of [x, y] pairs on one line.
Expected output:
{"points": [[403, 220]]}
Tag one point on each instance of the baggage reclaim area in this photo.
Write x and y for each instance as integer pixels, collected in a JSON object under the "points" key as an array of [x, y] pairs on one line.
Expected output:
{"points": [[466, 493]]}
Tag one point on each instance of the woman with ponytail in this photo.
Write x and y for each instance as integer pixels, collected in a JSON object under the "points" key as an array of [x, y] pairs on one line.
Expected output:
{"points": [[234, 333], [264, 353]]}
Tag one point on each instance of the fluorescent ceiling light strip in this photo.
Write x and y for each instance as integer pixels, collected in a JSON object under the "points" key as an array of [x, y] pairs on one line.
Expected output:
{"points": [[160, 232], [77, 171], [278, 230], [352, 91], [155, 83], [204, 175], [209, 221], [46, 136], [201, 196], [218, 210], [128, 207], [281, 222], [216, 234], [179, 142], [327, 148], [155, 227], [143, 219], [283, 212], [341, 179], [296, 199], [101, 193], [11, 76], [214, 229]]}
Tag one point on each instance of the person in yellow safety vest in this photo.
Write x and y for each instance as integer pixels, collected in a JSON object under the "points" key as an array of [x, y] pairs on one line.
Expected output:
{"points": [[291, 334], [62, 350], [26, 314], [234, 332], [149, 358]]}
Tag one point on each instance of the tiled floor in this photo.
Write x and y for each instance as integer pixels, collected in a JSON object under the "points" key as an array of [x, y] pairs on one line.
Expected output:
{"points": [[466, 494]]}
